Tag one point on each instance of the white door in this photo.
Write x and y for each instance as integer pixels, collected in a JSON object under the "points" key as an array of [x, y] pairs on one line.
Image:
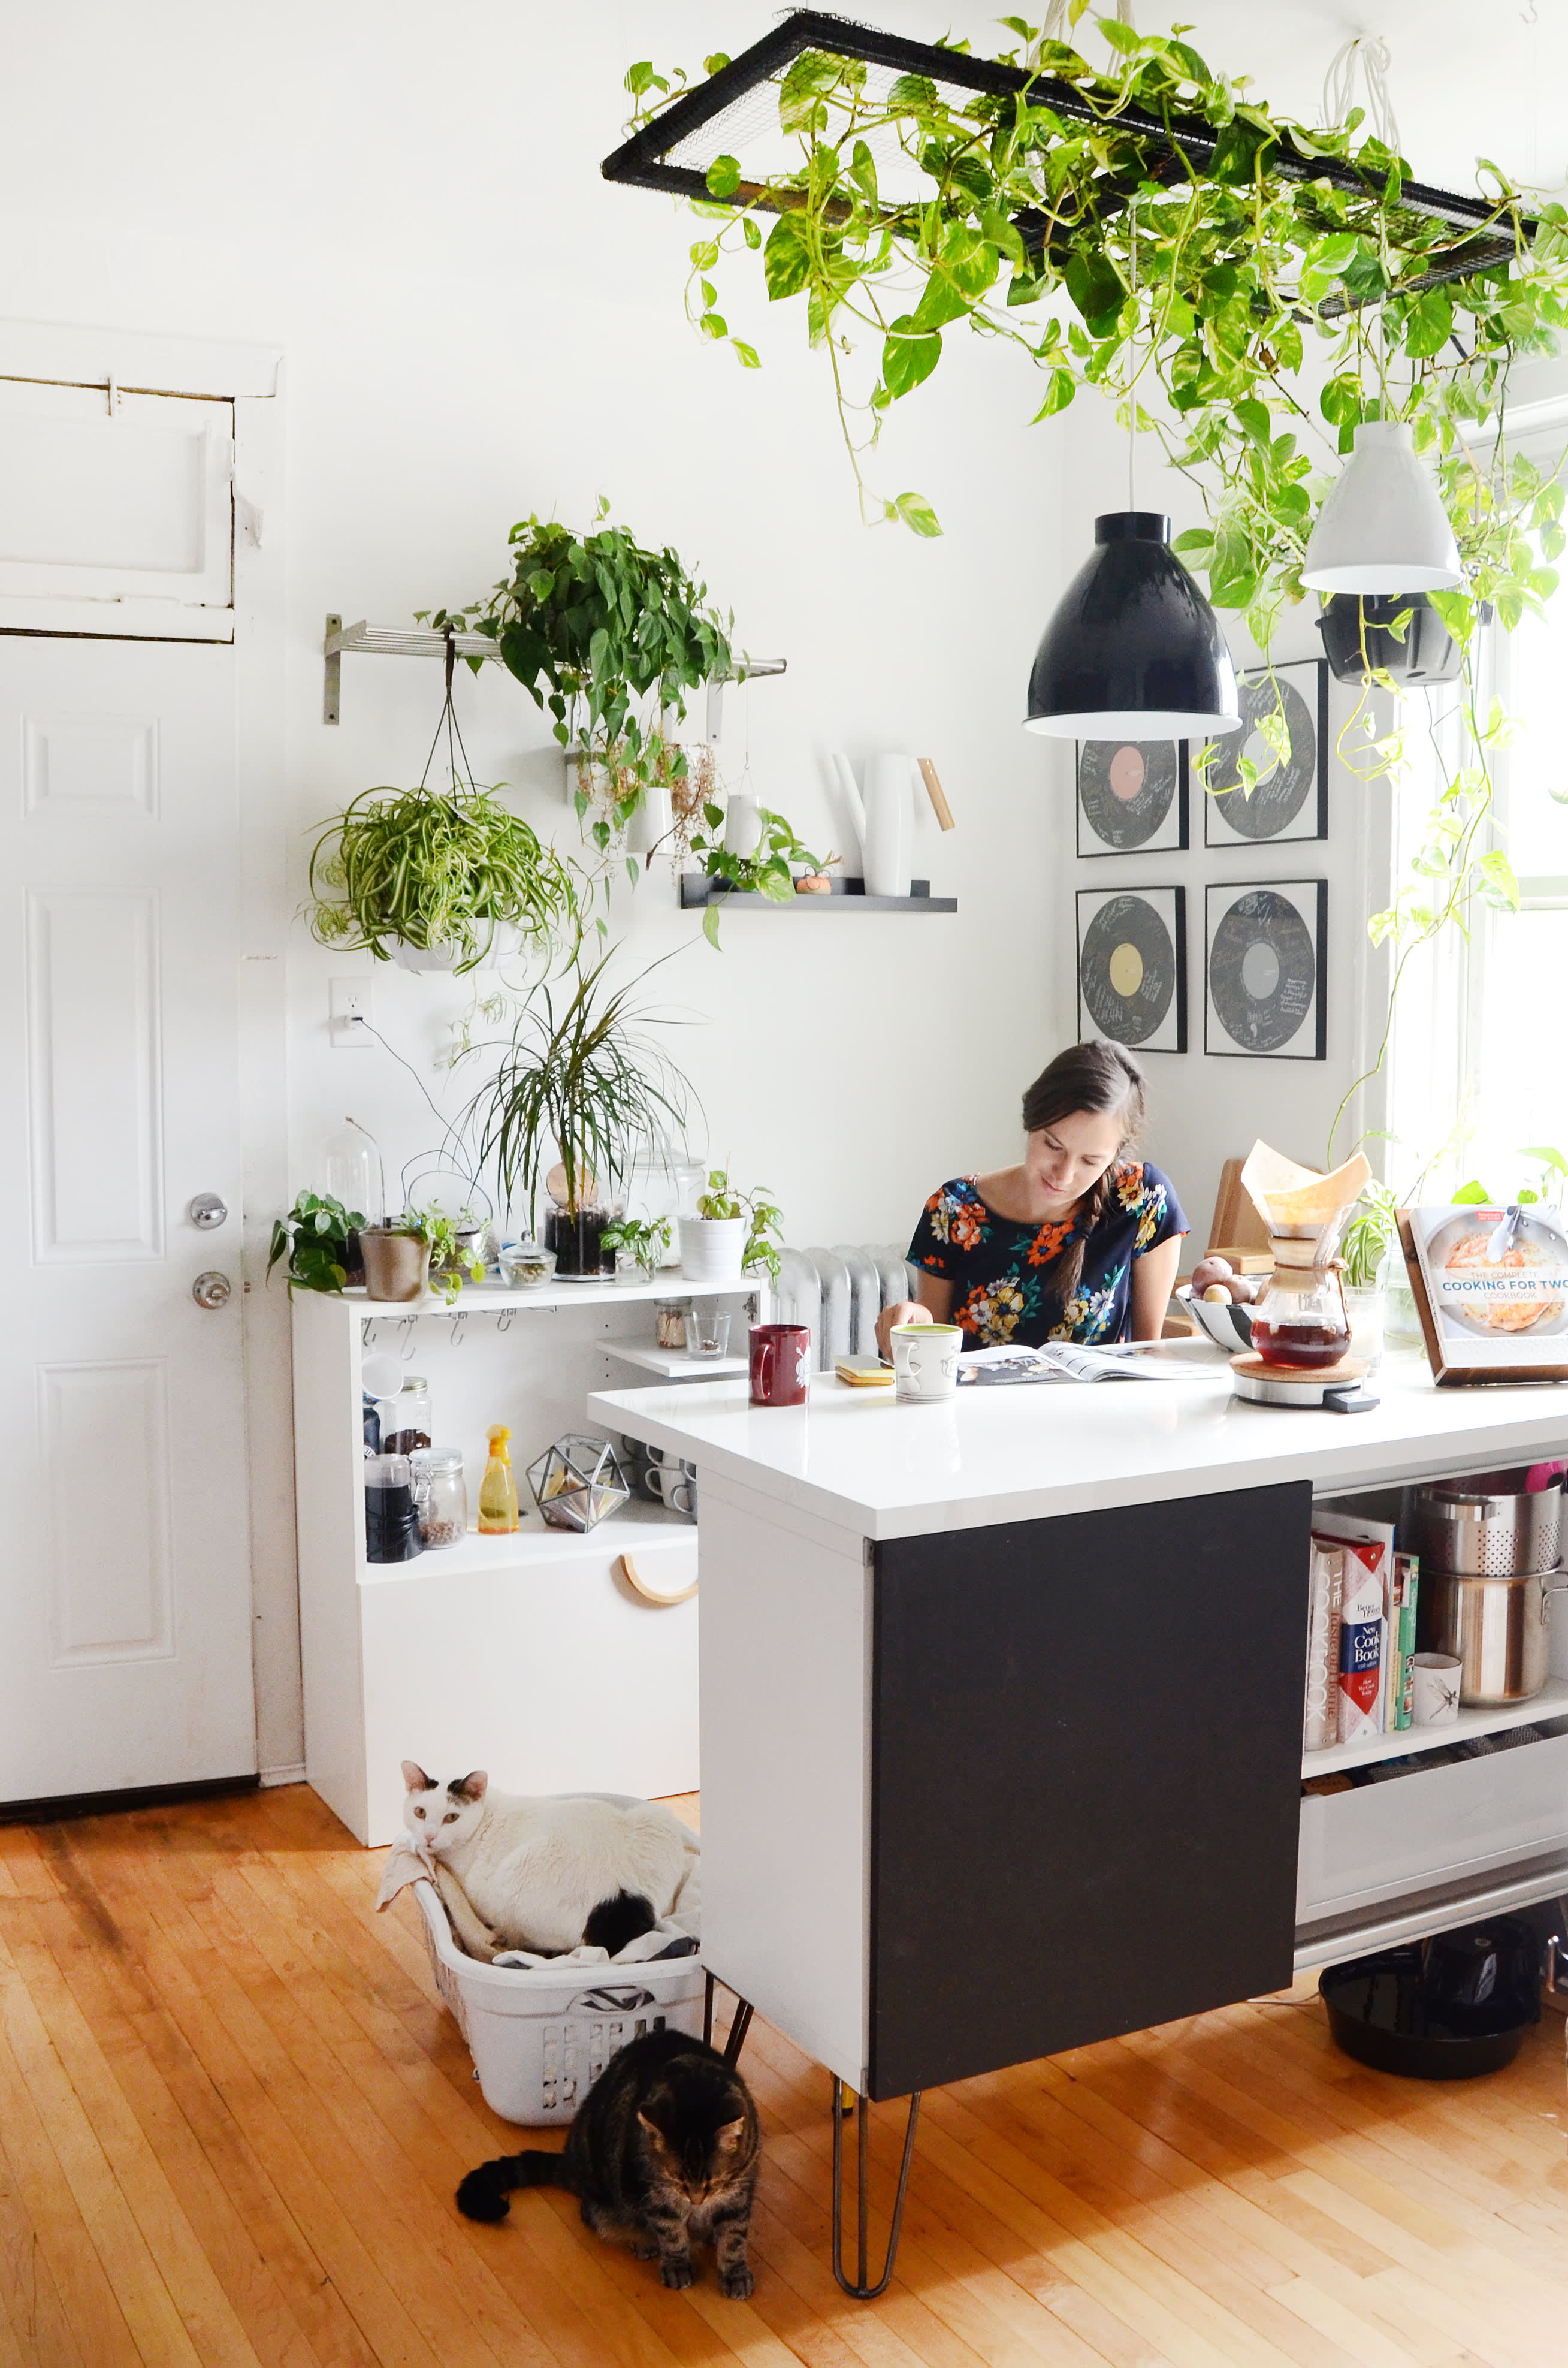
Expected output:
{"points": [[124, 1566]]}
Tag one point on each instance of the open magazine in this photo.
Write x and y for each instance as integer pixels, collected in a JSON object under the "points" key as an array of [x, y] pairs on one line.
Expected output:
{"points": [[1072, 1360]]}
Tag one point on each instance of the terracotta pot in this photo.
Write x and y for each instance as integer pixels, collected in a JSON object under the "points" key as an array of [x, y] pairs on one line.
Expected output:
{"points": [[397, 1266]]}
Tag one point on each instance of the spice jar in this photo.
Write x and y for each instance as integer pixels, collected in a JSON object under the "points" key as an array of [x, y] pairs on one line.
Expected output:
{"points": [[406, 1423], [440, 1493], [671, 1314]]}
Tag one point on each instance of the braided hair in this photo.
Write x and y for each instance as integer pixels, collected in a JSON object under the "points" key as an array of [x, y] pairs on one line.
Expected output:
{"points": [[1094, 1077]]}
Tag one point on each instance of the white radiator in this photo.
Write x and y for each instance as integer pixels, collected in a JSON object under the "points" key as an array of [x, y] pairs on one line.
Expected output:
{"points": [[839, 1293]]}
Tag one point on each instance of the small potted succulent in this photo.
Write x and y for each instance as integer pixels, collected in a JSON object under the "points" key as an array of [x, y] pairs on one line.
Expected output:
{"points": [[731, 1234]]}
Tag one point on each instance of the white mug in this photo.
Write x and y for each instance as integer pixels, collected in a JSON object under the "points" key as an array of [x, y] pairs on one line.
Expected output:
{"points": [[926, 1362], [677, 1484], [1435, 1690]]}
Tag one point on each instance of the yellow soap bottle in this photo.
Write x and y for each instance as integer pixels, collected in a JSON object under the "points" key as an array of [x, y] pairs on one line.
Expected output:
{"points": [[498, 1489]]}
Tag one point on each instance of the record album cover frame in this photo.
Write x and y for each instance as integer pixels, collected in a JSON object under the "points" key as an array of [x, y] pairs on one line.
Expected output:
{"points": [[1308, 1039], [1310, 823], [1169, 907]]}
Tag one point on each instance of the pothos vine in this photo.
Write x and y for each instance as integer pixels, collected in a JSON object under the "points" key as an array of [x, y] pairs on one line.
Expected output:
{"points": [[1244, 310]]}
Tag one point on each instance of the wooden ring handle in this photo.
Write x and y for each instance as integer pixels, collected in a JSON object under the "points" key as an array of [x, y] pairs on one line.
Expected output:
{"points": [[650, 1594]]}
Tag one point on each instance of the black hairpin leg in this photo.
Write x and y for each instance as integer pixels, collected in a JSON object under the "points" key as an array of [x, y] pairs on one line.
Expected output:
{"points": [[738, 2028], [860, 2291]]}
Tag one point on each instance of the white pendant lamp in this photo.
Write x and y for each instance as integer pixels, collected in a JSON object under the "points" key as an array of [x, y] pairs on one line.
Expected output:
{"points": [[1383, 528]]}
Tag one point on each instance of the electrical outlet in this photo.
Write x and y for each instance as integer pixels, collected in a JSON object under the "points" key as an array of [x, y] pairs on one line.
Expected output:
{"points": [[348, 1004]]}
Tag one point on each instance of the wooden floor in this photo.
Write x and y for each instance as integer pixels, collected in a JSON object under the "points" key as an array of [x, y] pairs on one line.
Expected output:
{"points": [[232, 2114]]}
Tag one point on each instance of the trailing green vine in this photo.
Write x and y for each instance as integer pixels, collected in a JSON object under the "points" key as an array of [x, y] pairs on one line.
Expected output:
{"points": [[1245, 289]]}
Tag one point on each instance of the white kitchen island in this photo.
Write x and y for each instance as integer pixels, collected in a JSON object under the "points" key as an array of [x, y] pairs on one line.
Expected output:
{"points": [[1001, 1707]]}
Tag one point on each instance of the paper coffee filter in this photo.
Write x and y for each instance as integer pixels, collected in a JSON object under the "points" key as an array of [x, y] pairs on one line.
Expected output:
{"points": [[1292, 1200]]}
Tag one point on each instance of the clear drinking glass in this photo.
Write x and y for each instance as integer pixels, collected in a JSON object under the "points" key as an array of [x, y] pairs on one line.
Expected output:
{"points": [[707, 1332]]}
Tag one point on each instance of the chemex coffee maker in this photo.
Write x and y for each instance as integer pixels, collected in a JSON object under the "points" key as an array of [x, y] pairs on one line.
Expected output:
{"points": [[1301, 1330]]}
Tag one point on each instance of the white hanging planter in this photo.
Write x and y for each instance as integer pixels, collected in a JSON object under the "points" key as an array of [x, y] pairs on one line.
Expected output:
{"points": [[505, 938], [710, 1248], [1382, 528]]}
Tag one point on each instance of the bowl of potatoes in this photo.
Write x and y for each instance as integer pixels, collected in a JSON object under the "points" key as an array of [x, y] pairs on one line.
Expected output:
{"points": [[1219, 1300]]}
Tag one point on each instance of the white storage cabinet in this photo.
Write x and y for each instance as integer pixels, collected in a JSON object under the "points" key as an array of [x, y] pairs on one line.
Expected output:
{"points": [[531, 1655]]}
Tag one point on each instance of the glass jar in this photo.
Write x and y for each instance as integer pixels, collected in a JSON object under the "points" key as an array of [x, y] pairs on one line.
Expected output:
{"points": [[351, 1171], [392, 1525], [440, 1495], [405, 1423], [671, 1314], [1301, 1321]]}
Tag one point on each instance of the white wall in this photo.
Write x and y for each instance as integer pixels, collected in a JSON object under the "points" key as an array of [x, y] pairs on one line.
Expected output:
{"points": [[476, 325]]}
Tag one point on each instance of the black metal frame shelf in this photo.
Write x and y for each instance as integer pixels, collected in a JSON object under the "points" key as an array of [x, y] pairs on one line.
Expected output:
{"points": [[697, 889], [1176, 144]]}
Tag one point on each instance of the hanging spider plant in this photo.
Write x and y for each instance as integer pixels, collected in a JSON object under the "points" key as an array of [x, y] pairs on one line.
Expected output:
{"points": [[583, 1078], [437, 879]]}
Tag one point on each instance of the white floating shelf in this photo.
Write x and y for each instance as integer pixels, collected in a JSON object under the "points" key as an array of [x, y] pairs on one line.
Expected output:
{"points": [[493, 1299], [639, 1527], [676, 1365], [365, 640], [1550, 1702]]}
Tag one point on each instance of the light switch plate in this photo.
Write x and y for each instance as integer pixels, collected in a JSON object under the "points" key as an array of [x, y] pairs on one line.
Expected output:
{"points": [[348, 1004]]}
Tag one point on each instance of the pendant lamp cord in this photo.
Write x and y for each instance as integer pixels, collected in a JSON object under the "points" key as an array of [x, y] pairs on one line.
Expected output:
{"points": [[1133, 389], [1057, 25]]}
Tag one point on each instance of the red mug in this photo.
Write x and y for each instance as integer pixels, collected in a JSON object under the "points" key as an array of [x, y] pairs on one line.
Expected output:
{"points": [[781, 1364]]}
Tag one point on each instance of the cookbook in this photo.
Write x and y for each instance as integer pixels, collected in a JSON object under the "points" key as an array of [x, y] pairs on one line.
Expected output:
{"points": [[1491, 1288]]}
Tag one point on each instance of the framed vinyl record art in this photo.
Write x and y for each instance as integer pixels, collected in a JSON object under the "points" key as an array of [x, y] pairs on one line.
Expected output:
{"points": [[1290, 799], [1268, 952], [1133, 967], [1132, 796]]}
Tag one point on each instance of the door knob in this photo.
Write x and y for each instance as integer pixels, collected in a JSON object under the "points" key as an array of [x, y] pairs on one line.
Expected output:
{"points": [[211, 1289], [208, 1209]]}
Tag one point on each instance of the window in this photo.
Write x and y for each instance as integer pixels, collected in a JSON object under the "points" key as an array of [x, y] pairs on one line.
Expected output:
{"points": [[1478, 1037]]}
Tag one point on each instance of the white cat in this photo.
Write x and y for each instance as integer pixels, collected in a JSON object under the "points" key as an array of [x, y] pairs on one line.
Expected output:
{"points": [[529, 1870]]}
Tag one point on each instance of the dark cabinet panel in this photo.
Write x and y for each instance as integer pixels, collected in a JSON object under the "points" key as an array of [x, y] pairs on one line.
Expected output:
{"points": [[1086, 1740]]}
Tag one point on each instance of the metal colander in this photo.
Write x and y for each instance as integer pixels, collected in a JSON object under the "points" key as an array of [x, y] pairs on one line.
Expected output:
{"points": [[1491, 1527]]}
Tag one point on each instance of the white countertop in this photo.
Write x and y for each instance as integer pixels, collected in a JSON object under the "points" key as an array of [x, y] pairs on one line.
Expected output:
{"points": [[856, 1458]]}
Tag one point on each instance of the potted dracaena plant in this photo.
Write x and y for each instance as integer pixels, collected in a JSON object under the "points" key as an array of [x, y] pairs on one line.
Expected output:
{"points": [[437, 879], [581, 1086]]}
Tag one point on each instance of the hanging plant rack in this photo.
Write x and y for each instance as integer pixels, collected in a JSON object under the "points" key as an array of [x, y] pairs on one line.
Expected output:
{"points": [[722, 117]]}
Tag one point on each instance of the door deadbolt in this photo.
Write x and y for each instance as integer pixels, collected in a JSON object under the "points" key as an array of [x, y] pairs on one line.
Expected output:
{"points": [[207, 1210], [211, 1289]]}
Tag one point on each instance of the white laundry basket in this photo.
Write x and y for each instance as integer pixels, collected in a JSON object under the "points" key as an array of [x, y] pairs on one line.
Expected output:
{"points": [[541, 2035]]}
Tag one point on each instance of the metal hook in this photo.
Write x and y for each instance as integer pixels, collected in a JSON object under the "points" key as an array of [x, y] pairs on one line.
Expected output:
{"points": [[504, 1321], [458, 1321], [367, 1332], [405, 1327]]}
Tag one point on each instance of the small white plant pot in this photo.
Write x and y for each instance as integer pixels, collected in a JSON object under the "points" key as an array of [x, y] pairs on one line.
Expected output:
{"points": [[710, 1248], [505, 938]]}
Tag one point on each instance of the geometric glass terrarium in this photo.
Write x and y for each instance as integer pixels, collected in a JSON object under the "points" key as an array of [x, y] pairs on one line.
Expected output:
{"points": [[577, 1482]]}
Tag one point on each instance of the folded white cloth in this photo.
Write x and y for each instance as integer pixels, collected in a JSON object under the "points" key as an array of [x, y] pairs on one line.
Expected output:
{"points": [[636, 1952]]}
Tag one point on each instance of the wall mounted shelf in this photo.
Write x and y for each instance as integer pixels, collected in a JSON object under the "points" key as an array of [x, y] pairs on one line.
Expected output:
{"points": [[847, 896], [364, 640]]}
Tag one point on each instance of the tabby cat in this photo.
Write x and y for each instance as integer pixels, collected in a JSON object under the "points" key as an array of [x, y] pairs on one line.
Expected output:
{"points": [[664, 2152]]}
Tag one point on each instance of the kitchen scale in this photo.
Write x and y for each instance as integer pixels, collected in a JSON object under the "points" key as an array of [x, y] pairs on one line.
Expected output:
{"points": [[1336, 1388]]}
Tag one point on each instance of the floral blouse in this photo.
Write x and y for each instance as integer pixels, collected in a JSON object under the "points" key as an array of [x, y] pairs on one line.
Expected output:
{"points": [[1002, 1270]]}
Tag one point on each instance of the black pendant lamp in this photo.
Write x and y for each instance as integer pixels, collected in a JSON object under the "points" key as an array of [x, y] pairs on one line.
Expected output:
{"points": [[1133, 652]]}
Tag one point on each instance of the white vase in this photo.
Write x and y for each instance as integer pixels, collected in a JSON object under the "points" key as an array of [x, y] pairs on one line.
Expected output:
{"points": [[710, 1248], [883, 819], [743, 826]]}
